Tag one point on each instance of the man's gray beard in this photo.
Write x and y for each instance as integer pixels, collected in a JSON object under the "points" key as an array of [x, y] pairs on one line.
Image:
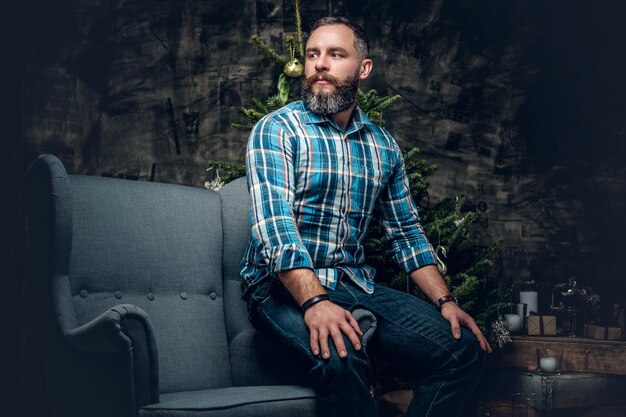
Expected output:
{"points": [[327, 104]]}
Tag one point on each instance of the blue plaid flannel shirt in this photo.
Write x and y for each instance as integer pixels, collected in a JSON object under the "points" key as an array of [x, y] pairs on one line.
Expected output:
{"points": [[314, 188]]}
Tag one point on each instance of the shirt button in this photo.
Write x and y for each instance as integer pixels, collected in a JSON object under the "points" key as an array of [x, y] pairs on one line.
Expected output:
{"points": [[183, 295], [117, 294], [213, 296], [150, 296], [84, 293]]}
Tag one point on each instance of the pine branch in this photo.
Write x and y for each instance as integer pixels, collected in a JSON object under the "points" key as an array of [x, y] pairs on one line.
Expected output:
{"points": [[262, 108], [364, 100], [267, 51], [383, 103], [253, 115], [274, 102], [232, 170], [240, 127]]}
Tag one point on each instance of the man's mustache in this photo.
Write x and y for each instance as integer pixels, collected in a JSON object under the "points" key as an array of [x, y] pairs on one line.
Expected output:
{"points": [[321, 76]]}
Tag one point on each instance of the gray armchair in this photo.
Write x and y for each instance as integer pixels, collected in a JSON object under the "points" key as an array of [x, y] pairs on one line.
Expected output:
{"points": [[139, 301]]}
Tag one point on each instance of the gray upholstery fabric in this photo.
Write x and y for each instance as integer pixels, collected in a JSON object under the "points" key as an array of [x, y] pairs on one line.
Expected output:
{"points": [[235, 221], [149, 243], [69, 371], [254, 359], [133, 305], [367, 323], [287, 401], [139, 301]]}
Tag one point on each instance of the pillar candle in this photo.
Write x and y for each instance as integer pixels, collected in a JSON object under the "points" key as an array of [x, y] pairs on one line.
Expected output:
{"points": [[530, 299], [547, 364]]}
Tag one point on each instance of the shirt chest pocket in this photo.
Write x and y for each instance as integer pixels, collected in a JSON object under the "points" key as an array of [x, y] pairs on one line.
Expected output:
{"points": [[365, 184]]}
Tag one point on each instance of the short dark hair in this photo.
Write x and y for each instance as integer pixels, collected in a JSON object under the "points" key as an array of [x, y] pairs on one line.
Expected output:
{"points": [[361, 42]]}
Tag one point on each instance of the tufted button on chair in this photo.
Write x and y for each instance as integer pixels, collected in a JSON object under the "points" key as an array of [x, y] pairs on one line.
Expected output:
{"points": [[139, 301]]}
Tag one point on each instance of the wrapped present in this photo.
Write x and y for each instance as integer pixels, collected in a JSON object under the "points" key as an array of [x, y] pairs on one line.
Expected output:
{"points": [[595, 331], [539, 325]]}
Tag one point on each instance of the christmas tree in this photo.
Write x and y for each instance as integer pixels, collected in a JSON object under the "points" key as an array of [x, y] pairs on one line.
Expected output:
{"points": [[462, 257]]}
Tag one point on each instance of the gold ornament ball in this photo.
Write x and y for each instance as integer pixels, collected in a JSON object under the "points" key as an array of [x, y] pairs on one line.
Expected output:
{"points": [[293, 69]]}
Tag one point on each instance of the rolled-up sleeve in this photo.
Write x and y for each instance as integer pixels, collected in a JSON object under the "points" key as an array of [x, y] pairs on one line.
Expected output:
{"points": [[271, 181], [400, 220]]}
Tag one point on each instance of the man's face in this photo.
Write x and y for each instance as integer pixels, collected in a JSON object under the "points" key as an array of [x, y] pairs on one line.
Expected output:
{"points": [[333, 70]]}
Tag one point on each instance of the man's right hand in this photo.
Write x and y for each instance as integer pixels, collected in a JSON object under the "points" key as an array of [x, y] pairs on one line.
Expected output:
{"points": [[326, 319]]}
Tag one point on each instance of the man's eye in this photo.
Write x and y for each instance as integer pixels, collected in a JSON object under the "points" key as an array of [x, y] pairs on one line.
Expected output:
{"points": [[311, 56]]}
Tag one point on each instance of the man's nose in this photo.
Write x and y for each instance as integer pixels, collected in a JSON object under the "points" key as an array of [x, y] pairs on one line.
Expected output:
{"points": [[321, 63]]}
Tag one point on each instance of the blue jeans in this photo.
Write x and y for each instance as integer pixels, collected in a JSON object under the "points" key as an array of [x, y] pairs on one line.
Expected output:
{"points": [[411, 335]]}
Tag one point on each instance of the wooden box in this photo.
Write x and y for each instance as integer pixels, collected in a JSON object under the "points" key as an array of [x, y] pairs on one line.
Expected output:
{"points": [[541, 325], [557, 391], [603, 332]]}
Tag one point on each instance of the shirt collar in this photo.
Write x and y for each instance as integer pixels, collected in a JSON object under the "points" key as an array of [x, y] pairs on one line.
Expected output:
{"points": [[359, 118]]}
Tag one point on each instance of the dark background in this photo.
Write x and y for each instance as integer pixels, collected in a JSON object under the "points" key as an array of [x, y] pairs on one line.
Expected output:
{"points": [[520, 103]]}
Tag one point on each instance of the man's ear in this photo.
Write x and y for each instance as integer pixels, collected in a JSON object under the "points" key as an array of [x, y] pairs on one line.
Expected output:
{"points": [[366, 68]]}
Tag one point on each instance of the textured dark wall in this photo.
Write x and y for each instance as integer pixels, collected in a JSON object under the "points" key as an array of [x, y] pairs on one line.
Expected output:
{"points": [[520, 103]]}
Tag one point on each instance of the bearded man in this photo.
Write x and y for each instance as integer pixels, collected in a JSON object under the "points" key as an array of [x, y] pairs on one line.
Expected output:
{"points": [[317, 171]]}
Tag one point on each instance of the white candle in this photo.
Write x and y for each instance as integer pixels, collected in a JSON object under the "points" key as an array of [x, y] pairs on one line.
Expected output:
{"points": [[530, 299], [514, 321], [547, 364]]}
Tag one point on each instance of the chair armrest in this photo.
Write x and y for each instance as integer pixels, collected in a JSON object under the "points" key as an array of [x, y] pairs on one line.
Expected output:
{"points": [[124, 329], [104, 333], [367, 323]]}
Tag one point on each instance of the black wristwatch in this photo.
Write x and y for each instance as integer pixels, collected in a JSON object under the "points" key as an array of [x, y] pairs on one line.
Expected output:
{"points": [[446, 298]]}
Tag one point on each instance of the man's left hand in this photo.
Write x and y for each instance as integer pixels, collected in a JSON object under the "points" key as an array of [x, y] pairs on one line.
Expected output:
{"points": [[457, 318]]}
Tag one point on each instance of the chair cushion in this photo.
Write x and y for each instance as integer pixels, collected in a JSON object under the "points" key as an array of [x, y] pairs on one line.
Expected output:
{"points": [[275, 401], [257, 360]]}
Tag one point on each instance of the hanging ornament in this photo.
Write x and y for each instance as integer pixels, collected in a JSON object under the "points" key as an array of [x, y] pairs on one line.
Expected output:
{"points": [[293, 68]]}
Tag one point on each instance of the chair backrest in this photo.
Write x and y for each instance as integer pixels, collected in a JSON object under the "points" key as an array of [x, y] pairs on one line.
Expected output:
{"points": [[157, 246], [236, 227]]}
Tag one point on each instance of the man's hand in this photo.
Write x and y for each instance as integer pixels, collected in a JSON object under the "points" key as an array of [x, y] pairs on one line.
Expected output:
{"points": [[457, 318], [432, 283], [324, 320]]}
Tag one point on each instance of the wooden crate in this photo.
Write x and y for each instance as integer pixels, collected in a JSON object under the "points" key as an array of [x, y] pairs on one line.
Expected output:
{"points": [[554, 391], [504, 408], [578, 354]]}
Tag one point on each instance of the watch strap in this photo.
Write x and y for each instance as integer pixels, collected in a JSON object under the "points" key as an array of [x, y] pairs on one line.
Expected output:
{"points": [[445, 299]]}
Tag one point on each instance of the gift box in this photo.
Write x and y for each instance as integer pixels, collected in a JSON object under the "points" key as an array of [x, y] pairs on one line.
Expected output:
{"points": [[595, 331], [541, 325]]}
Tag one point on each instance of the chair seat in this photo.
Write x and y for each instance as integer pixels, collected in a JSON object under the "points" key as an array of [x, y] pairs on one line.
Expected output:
{"points": [[275, 401]]}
